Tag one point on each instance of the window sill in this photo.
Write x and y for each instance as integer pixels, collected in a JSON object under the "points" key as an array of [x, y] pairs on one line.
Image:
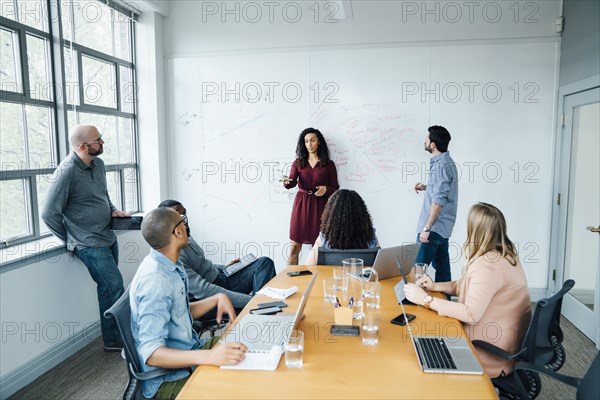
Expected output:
{"points": [[30, 252], [23, 254]]}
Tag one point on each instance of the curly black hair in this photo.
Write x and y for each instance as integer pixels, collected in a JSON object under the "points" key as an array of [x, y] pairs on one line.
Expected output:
{"points": [[302, 152], [346, 222]]}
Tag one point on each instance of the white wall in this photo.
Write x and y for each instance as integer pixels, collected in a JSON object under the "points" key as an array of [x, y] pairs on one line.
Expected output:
{"points": [[207, 31], [214, 26]]}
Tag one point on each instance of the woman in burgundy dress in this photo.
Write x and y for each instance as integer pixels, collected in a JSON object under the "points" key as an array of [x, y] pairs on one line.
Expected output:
{"points": [[316, 177]]}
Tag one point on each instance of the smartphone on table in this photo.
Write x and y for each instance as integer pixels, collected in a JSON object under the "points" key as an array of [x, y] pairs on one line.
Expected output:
{"points": [[299, 273], [279, 304], [400, 320], [265, 311]]}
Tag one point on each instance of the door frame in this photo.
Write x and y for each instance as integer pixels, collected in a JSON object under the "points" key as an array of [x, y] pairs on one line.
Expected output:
{"points": [[562, 153]]}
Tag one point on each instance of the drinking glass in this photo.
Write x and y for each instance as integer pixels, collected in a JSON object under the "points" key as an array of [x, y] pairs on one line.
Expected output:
{"points": [[340, 278], [294, 349], [329, 290], [370, 327], [420, 270]]}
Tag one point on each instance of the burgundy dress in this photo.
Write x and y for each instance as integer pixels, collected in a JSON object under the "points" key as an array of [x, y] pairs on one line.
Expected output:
{"points": [[305, 222]]}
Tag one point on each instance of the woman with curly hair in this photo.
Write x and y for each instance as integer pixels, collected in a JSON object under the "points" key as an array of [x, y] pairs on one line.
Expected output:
{"points": [[346, 224], [493, 299], [316, 177]]}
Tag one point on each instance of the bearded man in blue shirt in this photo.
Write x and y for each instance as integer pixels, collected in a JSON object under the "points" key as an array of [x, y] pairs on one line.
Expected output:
{"points": [[438, 213]]}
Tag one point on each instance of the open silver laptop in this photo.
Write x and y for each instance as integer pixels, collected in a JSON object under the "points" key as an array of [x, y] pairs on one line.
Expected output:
{"points": [[385, 261], [261, 332], [441, 354]]}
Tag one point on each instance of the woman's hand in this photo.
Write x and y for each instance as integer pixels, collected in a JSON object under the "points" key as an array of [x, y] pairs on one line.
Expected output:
{"points": [[286, 180], [415, 294], [320, 191]]}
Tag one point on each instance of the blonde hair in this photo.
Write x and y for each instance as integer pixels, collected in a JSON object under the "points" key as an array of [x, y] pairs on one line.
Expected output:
{"points": [[486, 233]]}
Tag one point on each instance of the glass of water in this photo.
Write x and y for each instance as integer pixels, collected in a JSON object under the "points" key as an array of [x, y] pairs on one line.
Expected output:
{"points": [[340, 278], [420, 270], [294, 349], [370, 327], [329, 290], [371, 294]]}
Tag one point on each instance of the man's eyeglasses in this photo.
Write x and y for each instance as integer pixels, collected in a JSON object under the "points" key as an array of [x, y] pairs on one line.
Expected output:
{"points": [[97, 141], [183, 219]]}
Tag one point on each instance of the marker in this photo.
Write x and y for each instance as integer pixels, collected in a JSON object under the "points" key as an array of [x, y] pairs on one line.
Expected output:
{"points": [[337, 303], [351, 302]]}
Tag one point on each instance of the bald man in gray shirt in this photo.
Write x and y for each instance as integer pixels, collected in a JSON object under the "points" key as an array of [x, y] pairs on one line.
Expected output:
{"points": [[78, 211]]}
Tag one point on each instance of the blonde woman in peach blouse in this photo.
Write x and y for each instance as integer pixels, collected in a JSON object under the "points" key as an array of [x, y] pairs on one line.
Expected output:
{"points": [[493, 299]]}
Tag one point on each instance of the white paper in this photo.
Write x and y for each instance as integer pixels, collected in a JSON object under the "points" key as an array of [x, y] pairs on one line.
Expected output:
{"points": [[278, 294], [259, 361]]}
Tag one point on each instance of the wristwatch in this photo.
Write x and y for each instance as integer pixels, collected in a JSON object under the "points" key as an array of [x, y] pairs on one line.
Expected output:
{"points": [[427, 300], [426, 229]]}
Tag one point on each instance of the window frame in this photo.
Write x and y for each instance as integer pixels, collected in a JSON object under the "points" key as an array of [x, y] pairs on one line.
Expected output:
{"points": [[59, 109]]}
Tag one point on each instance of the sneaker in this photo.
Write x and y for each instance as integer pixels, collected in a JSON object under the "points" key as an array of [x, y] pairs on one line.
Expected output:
{"points": [[117, 347]]}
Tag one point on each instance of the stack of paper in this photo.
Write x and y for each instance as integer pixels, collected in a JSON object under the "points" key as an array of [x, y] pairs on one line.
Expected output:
{"points": [[279, 294]]}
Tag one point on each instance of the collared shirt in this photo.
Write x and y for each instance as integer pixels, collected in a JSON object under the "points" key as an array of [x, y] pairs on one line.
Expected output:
{"points": [[160, 314], [442, 189], [78, 209]]}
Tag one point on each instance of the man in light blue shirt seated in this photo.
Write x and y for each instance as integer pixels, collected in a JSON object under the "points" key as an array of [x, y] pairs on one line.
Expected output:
{"points": [[161, 315]]}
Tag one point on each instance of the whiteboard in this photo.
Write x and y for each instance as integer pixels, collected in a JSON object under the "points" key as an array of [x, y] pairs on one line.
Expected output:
{"points": [[234, 121]]}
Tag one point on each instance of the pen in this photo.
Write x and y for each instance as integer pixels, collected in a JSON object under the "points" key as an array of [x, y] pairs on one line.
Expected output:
{"points": [[351, 302], [337, 302]]}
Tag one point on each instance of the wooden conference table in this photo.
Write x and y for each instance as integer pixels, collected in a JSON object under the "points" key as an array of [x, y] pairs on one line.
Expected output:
{"points": [[342, 367]]}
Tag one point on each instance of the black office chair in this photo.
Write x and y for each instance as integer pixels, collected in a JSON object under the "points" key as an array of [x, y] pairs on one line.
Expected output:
{"points": [[121, 313], [587, 388], [335, 256], [542, 346]]}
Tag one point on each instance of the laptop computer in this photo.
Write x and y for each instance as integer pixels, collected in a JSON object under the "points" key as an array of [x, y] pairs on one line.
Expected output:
{"points": [[385, 261], [260, 333], [442, 354]]}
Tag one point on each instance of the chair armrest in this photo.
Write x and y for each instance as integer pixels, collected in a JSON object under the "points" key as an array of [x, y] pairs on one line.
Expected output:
{"points": [[569, 380], [144, 376], [497, 351]]}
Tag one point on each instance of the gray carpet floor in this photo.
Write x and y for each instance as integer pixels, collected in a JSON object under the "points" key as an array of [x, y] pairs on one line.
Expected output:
{"points": [[94, 374]]}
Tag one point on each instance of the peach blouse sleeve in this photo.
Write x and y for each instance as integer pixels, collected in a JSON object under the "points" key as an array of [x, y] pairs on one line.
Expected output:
{"points": [[481, 284]]}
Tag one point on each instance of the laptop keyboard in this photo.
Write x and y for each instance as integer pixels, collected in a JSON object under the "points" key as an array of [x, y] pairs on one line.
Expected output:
{"points": [[434, 353]]}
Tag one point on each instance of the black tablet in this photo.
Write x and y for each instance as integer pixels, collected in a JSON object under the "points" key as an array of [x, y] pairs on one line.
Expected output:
{"points": [[126, 223]]}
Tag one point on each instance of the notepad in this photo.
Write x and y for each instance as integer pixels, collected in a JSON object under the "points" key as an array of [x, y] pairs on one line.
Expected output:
{"points": [[276, 293], [267, 361]]}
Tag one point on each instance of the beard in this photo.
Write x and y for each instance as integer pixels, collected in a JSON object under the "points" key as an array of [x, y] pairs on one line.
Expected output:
{"points": [[427, 149], [95, 153]]}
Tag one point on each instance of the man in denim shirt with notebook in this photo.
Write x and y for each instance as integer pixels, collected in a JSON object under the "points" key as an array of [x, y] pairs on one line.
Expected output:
{"points": [[161, 315], [438, 213]]}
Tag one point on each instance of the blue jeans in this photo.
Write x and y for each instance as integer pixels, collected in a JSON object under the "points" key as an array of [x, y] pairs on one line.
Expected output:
{"points": [[250, 279], [102, 263], [436, 253]]}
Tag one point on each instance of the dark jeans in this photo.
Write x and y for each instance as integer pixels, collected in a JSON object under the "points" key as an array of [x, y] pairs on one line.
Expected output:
{"points": [[102, 263], [250, 279], [436, 253]]}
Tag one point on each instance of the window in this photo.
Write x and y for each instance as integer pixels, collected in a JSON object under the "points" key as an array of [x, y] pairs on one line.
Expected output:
{"points": [[63, 63]]}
